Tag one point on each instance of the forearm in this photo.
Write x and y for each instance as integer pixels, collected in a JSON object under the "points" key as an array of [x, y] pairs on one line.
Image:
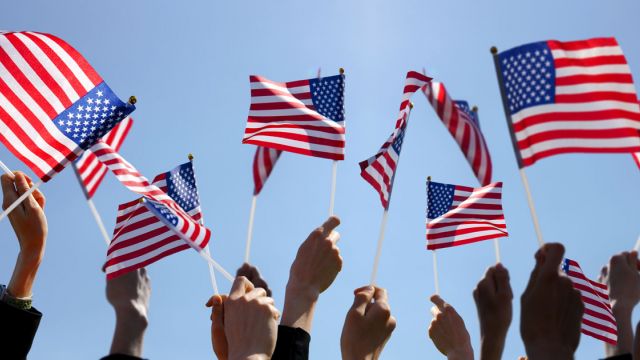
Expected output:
{"points": [[128, 336], [624, 344], [299, 307], [24, 274], [491, 347]]}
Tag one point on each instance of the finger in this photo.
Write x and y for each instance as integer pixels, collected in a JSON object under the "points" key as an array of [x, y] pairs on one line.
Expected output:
{"points": [[244, 270], [435, 311], [632, 259], [334, 237], [329, 225], [22, 185], [8, 190], [501, 277], [240, 287], [437, 301], [553, 254], [362, 299], [380, 295], [256, 293]]}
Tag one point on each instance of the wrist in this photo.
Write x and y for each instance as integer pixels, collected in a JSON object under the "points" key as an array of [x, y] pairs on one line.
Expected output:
{"points": [[465, 353], [492, 346], [24, 273], [621, 307], [302, 292], [131, 317], [248, 357], [548, 352]]}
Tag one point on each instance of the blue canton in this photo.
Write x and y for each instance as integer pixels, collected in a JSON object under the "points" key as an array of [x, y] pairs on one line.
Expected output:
{"points": [[439, 199], [327, 94], [464, 107], [397, 142], [181, 182], [92, 116], [529, 76], [162, 212], [565, 265]]}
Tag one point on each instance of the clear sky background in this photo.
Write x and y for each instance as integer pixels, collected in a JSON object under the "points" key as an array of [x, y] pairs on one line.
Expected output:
{"points": [[188, 63]]}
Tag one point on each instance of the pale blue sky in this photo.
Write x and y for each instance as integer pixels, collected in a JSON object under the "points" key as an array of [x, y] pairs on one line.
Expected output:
{"points": [[188, 64]]}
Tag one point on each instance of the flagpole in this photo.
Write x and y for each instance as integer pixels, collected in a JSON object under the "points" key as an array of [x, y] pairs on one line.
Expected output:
{"points": [[252, 213], [334, 175], [376, 260], [514, 141], [383, 223], [435, 273], [21, 198], [212, 275], [92, 207], [637, 247]]}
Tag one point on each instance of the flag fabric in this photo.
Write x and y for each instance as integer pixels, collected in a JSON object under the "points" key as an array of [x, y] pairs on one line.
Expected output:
{"points": [[464, 126], [569, 97], [53, 104], [263, 162], [304, 116], [145, 232], [89, 169], [458, 215], [636, 157], [379, 170], [597, 320]]}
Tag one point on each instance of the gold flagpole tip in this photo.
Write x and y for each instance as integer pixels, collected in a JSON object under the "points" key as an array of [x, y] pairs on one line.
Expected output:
{"points": [[341, 71], [410, 105], [474, 109], [428, 178], [132, 100], [494, 50], [141, 200], [190, 156]]}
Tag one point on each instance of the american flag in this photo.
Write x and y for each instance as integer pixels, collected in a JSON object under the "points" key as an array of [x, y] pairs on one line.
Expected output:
{"points": [[570, 97], [379, 170], [598, 320], [304, 117], [636, 157], [89, 169], [458, 215], [142, 234], [464, 126], [263, 162], [53, 104]]}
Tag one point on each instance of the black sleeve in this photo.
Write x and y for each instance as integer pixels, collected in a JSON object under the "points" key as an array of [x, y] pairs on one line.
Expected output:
{"points": [[620, 357], [292, 344], [120, 357], [17, 330]]}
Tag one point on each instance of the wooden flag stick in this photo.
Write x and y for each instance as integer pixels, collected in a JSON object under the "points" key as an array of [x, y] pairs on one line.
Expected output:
{"points": [[22, 197], [376, 260], [334, 175], [435, 273], [252, 213], [514, 142]]}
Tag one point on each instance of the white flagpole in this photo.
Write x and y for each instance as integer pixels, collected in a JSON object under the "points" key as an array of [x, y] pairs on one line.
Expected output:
{"points": [[496, 246], [376, 260], [532, 208], [22, 197], [252, 213], [92, 207], [637, 247], [334, 175], [435, 273]]}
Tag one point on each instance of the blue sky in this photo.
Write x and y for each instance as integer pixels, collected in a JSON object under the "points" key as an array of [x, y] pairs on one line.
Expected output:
{"points": [[188, 65]]}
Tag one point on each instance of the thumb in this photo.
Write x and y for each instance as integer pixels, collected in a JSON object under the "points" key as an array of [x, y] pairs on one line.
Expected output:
{"points": [[218, 335], [438, 302], [362, 298]]}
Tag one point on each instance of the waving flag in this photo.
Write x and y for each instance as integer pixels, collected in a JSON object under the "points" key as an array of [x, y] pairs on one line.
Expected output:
{"points": [[597, 320], [146, 232], [569, 97], [458, 215], [379, 170], [304, 117], [636, 157], [263, 162], [53, 104], [464, 126], [89, 169]]}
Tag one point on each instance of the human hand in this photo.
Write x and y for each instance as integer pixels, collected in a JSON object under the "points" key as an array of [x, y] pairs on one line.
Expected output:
{"points": [[314, 269], [253, 275], [218, 336], [448, 332], [551, 309], [129, 294], [623, 280], [368, 325], [30, 225], [249, 320], [493, 297]]}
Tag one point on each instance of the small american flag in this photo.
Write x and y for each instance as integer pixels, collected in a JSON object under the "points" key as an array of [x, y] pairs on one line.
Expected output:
{"points": [[464, 126], [636, 157], [142, 234], [598, 320], [304, 117], [53, 104], [570, 97], [263, 162], [379, 170], [89, 169], [458, 215]]}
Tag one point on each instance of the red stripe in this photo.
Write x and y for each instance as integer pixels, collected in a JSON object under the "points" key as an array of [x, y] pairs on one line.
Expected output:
{"points": [[457, 232], [599, 337], [78, 58], [595, 96], [171, 237], [276, 92], [300, 137], [599, 326], [576, 149], [577, 134], [316, 153], [310, 127], [594, 79], [283, 118], [575, 116], [581, 44], [17, 153], [439, 225], [147, 262], [593, 61], [377, 186], [464, 242], [277, 106]]}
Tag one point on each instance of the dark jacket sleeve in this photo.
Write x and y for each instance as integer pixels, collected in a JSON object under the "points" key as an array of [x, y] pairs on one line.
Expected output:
{"points": [[620, 357], [17, 330], [292, 344], [120, 357]]}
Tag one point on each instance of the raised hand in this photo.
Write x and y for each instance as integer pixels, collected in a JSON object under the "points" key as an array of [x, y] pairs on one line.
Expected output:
{"points": [[368, 325], [551, 310], [493, 297], [314, 269], [448, 332], [252, 274]]}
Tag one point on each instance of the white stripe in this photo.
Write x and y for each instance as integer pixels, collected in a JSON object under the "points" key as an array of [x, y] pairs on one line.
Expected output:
{"points": [[144, 257], [434, 231], [287, 112], [587, 53], [377, 176], [442, 220], [592, 70], [21, 148], [582, 143], [577, 107], [291, 123], [68, 60], [256, 85], [119, 132], [608, 324], [276, 99], [595, 87], [462, 237], [299, 131], [479, 201], [577, 125], [298, 144]]}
